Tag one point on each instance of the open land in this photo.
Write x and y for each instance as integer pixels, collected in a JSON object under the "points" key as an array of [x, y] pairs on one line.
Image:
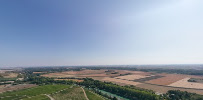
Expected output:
{"points": [[159, 82], [34, 93], [4, 88]]}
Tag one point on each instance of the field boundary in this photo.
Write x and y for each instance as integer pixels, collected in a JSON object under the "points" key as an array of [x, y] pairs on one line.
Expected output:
{"points": [[84, 93], [51, 98], [172, 86]]}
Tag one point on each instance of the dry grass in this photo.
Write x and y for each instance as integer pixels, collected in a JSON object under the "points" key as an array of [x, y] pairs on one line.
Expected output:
{"points": [[4, 71], [119, 81], [38, 72], [164, 89], [185, 84], [131, 77], [74, 93], [9, 75], [167, 79], [56, 75], [82, 74], [76, 80], [15, 87]]}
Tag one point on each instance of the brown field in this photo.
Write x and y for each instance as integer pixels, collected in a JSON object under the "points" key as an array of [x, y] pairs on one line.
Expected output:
{"points": [[154, 81], [76, 80], [164, 89], [185, 84], [131, 77], [38, 72], [85, 73], [5, 88], [133, 72], [119, 81], [58, 75], [167, 79], [9, 75], [4, 71]]}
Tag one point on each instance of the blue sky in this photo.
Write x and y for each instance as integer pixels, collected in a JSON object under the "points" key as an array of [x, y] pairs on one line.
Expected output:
{"points": [[100, 32]]}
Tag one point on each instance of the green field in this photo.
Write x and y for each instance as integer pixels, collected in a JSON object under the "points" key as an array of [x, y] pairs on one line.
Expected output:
{"points": [[72, 93], [7, 79], [39, 97], [58, 92], [35, 93], [92, 96]]}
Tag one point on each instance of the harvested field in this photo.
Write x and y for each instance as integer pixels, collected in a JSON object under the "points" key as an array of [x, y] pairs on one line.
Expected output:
{"points": [[119, 81], [76, 80], [16, 87], [164, 89], [148, 78], [57, 75], [84, 72], [35, 93], [185, 84], [4, 71], [167, 79], [133, 72], [72, 93], [9, 75], [38, 72], [131, 77]]}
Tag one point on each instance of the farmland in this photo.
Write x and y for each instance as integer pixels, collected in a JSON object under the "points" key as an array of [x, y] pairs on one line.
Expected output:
{"points": [[185, 84], [30, 93], [9, 87], [72, 93], [93, 96], [62, 83], [162, 81]]}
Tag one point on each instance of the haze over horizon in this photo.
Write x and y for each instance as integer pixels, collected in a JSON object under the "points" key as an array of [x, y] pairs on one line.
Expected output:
{"points": [[52, 33]]}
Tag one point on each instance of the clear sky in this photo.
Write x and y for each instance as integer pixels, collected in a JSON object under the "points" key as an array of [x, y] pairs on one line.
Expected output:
{"points": [[100, 32]]}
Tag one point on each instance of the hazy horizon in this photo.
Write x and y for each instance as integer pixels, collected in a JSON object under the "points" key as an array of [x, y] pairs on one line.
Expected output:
{"points": [[117, 32]]}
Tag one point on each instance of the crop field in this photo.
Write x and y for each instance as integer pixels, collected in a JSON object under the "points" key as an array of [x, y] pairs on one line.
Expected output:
{"points": [[120, 81], [167, 79], [72, 93], [39, 97], [4, 71], [185, 84], [32, 93], [164, 89], [162, 81], [85, 73], [93, 96], [4, 88], [38, 72], [8, 75], [57, 92], [131, 77], [76, 80]]}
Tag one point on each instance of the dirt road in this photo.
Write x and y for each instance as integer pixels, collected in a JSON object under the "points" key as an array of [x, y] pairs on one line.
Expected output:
{"points": [[84, 93], [49, 97]]}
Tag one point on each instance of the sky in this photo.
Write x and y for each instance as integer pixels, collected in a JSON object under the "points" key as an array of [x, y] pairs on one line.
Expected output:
{"points": [[100, 32]]}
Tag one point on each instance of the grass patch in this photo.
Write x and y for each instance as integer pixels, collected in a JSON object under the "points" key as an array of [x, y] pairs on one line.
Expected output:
{"points": [[32, 92], [39, 97], [92, 96], [73, 93], [7, 79]]}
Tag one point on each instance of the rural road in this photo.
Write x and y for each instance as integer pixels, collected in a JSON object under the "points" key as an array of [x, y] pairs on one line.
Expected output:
{"points": [[84, 93], [49, 97]]}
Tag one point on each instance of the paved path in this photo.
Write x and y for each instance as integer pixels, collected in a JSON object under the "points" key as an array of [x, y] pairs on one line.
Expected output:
{"points": [[49, 97], [84, 93]]}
